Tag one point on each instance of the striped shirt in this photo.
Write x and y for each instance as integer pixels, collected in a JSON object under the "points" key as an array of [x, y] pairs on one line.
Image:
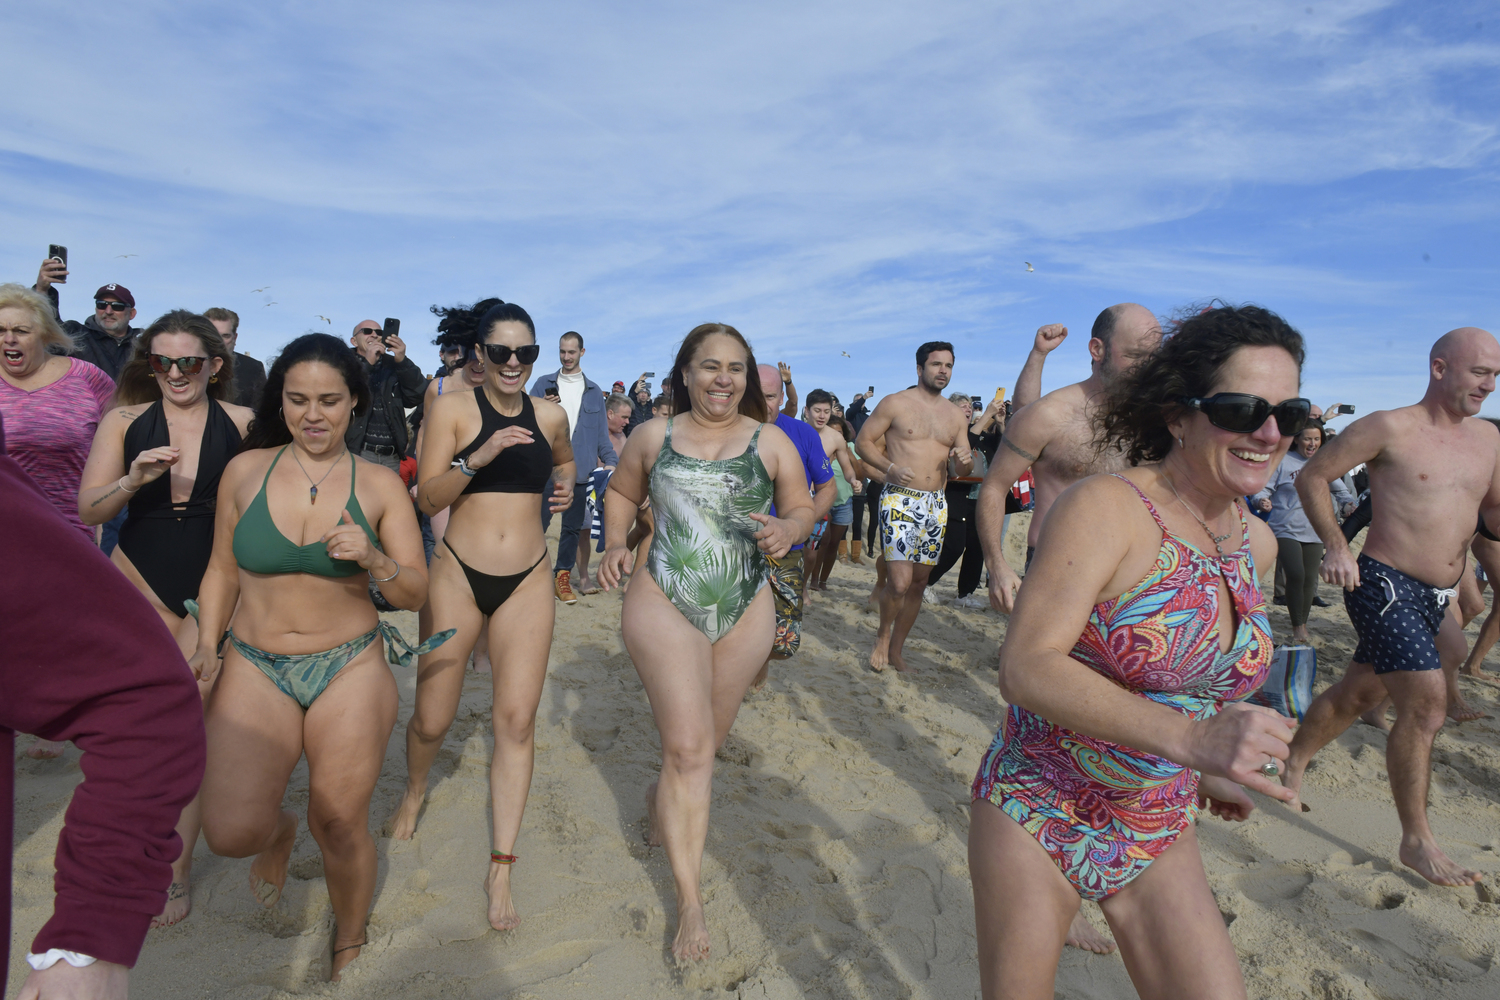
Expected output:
{"points": [[49, 431]]}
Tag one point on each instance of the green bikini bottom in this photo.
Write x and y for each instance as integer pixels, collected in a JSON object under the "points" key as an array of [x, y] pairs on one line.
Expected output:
{"points": [[304, 676]]}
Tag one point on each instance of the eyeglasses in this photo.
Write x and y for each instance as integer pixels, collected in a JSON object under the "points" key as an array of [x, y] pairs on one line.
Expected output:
{"points": [[1244, 414], [499, 353], [161, 364], [103, 304]]}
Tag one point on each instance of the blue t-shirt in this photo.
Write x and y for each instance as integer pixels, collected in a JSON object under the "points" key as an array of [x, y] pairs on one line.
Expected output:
{"points": [[810, 446]]}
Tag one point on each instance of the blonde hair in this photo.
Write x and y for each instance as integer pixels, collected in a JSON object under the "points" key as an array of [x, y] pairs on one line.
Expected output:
{"points": [[14, 296]]}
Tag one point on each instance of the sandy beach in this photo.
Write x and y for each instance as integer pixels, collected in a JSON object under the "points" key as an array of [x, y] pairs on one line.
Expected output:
{"points": [[836, 857]]}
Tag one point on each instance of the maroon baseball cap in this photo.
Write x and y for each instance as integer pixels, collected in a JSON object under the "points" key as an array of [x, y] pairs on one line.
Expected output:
{"points": [[117, 292]]}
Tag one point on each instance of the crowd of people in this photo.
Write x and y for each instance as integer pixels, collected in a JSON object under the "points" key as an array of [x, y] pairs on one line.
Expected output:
{"points": [[1137, 625]]}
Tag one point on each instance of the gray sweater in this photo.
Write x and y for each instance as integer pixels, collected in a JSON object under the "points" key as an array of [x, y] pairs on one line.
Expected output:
{"points": [[1288, 519]]}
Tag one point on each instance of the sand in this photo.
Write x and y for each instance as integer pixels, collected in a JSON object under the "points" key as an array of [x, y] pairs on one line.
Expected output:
{"points": [[836, 857]]}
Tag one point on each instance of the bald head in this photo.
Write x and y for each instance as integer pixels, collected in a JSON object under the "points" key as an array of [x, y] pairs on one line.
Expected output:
{"points": [[1123, 336], [1459, 346], [1462, 367], [770, 384]]}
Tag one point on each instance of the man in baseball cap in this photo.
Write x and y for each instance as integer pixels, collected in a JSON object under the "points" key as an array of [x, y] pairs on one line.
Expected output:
{"points": [[104, 339]]}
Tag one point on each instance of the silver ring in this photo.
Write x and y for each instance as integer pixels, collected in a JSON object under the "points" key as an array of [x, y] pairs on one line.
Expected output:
{"points": [[1270, 768]]}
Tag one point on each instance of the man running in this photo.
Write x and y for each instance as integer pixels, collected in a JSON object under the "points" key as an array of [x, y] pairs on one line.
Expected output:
{"points": [[921, 432], [1056, 437], [1432, 466]]}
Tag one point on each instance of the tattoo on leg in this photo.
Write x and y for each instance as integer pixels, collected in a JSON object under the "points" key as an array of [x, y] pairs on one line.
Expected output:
{"points": [[1019, 451]]}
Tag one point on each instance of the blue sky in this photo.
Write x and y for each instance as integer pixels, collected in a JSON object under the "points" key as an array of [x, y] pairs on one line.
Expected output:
{"points": [[827, 177]]}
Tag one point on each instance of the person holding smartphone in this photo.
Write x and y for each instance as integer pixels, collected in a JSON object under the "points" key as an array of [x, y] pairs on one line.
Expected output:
{"points": [[380, 434], [106, 338]]}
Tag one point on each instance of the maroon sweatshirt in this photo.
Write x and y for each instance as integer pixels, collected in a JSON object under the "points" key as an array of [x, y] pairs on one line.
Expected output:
{"points": [[84, 657]]}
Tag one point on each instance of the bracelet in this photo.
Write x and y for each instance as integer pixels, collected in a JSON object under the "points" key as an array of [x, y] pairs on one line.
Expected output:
{"points": [[888, 469], [127, 489], [463, 466], [389, 578]]}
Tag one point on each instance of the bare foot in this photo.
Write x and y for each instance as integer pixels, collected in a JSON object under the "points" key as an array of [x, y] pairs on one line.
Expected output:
{"points": [[1461, 711], [403, 824], [898, 661], [691, 942], [343, 954], [1479, 674], [1292, 778], [653, 836], [1376, 717], [762, 677], [268, 870], [45, 750], [179, 905], [1081, 934], [1429, 861], [880, 655], [503, 916], [480, 661]]}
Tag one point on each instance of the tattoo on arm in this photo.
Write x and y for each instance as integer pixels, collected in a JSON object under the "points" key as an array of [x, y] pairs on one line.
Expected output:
{"points": [[105, 497], [1019, 451]]}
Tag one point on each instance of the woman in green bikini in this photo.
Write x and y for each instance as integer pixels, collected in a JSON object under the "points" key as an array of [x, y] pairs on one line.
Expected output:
{"points": [[301, 525], [699, 623]]}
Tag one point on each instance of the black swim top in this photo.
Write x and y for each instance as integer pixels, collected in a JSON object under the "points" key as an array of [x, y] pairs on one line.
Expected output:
{"points": [[521, 468]]}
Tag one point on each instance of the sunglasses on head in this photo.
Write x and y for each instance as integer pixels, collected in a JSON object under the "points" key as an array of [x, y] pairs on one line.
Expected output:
{"points": [[1245, 414], [499, 353], [161, 364], [118, 307]]}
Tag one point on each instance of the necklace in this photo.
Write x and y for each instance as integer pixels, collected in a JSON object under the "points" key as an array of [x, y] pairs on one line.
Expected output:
{"points": [[312, 490], [1216, 538]]}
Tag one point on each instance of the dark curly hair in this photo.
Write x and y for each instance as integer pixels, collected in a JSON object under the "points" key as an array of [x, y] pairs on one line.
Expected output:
{"points": [[269, 429], [752, 403], [456, 324], [138, 383], [1197, 346]]}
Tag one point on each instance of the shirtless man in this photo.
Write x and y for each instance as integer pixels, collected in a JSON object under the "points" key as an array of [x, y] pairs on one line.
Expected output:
{"points": [[841, 515], [1431, 466], [922, 431], [1056, 437]]}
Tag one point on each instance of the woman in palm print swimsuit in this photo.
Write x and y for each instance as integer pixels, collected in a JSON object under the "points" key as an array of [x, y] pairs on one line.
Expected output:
{"points": [[699, 622]]}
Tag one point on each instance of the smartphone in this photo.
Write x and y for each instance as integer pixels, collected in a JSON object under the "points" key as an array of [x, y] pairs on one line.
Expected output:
{"points": [[1007, 409], [1346, 408], [1000, 393], [871, 390], [56, 252], [978, 403], [648, 374], [391, 329]]}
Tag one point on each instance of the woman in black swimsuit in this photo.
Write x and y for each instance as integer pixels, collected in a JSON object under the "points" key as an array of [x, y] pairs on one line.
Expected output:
{"points": [[488, 454], [160, 448]]}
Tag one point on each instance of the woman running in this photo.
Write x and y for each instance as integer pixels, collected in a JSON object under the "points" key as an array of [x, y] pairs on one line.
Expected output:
{"points": [[488, 454], [302, 524], [161, 450], [1139, 625], [699, 624]]}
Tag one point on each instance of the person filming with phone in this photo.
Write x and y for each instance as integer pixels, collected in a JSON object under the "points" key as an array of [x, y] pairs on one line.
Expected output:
{"points": [[106, 338], [396, 383]]}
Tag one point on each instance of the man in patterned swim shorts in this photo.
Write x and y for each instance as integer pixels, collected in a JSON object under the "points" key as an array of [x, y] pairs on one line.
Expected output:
{"points": [[1432, 466], [922, 431]]}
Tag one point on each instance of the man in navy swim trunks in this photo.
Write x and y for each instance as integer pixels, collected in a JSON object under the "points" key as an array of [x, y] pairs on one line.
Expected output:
{"points": [[1433, 467]]}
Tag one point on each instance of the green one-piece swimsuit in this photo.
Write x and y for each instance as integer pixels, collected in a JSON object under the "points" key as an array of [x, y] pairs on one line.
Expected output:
{"points": [[704, 555]]}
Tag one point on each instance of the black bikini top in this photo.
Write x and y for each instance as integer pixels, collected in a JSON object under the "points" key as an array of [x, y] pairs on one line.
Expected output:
{"points": [[220, 443], [521, 468]]}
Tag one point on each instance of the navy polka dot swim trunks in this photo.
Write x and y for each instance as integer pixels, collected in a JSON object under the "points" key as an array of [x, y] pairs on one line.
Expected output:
{"points": [[1396, 617]]}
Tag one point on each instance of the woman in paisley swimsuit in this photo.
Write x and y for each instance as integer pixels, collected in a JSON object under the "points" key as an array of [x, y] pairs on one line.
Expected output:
{"points": [[1140, 625], [301, 526], [699, 622], [160, 449]]}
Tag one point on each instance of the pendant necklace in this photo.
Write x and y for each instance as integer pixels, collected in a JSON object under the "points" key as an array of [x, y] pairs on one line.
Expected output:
{"points": [[312, 489], [1216, 538]]}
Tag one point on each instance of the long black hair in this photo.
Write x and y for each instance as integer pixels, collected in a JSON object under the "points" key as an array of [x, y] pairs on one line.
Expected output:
{"points": [[269, 428], [752, 403], [1197, 347]]}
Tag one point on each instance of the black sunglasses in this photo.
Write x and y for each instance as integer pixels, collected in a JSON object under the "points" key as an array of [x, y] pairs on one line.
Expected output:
{"points": [[161, 364], [499, 353], [118, 307], [1244, 414]]}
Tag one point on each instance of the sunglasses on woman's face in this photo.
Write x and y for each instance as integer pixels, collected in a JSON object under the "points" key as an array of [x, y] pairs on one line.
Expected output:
{"points": [[1243, 413], [161, 364], [499, 353]]}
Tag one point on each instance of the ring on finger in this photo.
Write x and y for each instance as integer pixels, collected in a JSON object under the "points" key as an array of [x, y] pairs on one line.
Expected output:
{"points": [[1270, 768]]}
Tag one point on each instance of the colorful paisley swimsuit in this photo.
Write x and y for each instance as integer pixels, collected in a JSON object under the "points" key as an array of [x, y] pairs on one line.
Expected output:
{"points": [[1103, 811], [704, 555]]}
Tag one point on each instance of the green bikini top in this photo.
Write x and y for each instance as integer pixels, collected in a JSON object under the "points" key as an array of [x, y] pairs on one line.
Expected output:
{"points": [[260, 547]]}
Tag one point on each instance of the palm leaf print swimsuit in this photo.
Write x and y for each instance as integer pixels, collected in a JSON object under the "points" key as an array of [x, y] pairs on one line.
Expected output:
{"points": [[704, 556], [1103, 811]]}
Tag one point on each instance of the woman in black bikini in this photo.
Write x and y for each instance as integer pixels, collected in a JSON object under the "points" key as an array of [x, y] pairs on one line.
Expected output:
{"points": [[488, 454], [160, 449]]}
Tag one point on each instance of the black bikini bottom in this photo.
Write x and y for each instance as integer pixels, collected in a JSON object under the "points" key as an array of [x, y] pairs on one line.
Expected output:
{"points": [[492, 591]]}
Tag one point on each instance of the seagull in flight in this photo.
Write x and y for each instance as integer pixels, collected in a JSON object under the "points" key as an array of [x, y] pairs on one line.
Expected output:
{"points": [[254, 290], [1028, 265], [846, 354], [122, 256], [269, 304], [324, 318]]}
